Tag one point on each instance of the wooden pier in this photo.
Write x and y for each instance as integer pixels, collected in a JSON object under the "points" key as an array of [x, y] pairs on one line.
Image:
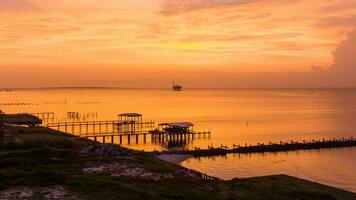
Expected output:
{"points": [[108, 131], [177, 140], [272, 147], [44, 116], [130, 127], [101, 128]]}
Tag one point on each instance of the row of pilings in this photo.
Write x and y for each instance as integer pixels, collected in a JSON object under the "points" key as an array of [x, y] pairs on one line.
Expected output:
{"points": [[272, 147]]}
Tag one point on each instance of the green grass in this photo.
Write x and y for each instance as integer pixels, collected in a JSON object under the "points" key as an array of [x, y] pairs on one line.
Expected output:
{"points": [[49, 158], [285, 187]]}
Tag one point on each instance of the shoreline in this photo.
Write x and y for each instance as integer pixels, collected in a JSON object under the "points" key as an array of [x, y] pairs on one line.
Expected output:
{"points": [[175, 158]]}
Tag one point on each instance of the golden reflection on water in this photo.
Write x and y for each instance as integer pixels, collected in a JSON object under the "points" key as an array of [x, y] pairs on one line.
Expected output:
{"points": [[233, 116]]}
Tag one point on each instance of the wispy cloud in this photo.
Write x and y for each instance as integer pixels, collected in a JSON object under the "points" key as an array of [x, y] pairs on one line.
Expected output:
{"points": [[172, 7], [17, 5], [236, 36]]}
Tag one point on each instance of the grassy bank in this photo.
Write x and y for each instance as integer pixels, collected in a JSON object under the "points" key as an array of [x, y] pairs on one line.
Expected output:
{"points": [[53, 165]]}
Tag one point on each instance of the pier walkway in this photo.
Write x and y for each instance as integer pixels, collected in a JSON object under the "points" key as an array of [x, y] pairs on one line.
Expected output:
{"points": [[101, 128]]}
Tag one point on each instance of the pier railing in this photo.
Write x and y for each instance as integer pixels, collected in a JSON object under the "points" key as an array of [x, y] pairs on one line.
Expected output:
{"points": [[101, 128], [44, 116]]}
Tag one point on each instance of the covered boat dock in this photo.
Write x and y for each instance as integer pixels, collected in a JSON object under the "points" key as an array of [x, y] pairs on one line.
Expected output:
{"points": [[176, 127], [176, 133]]}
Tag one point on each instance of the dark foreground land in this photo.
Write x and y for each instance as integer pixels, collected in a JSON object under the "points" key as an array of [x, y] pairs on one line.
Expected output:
{"points": [[44, 164]]}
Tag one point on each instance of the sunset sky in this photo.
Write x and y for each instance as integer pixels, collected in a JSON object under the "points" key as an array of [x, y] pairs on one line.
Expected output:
{"points": [[150, 43]]}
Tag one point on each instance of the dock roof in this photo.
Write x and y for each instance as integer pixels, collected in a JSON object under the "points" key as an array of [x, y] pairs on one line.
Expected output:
{"points": [[178, 124], [130, 114]]}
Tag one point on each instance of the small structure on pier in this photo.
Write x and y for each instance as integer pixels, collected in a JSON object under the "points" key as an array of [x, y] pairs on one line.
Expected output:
{"points": [[176, 134], [132, 123], [130, 118], [176, 127], [44, 116]]}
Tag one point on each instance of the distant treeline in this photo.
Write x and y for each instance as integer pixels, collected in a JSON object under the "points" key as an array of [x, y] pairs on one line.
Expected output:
{"points": [[7, 90], [90, 102], [17, 104], [55, 102]]}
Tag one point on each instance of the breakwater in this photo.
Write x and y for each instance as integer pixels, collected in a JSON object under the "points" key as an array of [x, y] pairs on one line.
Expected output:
{"points": [[271, 147]]}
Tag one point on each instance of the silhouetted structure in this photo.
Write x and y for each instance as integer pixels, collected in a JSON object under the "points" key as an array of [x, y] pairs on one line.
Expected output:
{"points": [[176, 87], [175, 134], [273, 147]]}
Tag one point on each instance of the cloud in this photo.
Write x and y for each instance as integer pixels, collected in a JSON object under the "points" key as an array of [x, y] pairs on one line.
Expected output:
{"points": [[253, 43], [172, 7], [17, 5], [331, 22], [344, 66], [341, 73]]}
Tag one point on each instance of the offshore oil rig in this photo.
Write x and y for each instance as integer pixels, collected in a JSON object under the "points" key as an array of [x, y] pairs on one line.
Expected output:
{"points": [[177, 87]]}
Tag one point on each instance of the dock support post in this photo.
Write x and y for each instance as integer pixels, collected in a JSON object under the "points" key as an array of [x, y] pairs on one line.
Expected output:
{"points": [[112, 139]]}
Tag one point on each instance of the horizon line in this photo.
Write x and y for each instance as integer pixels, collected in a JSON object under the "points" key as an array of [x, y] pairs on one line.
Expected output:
{"points": [[189, 88]]}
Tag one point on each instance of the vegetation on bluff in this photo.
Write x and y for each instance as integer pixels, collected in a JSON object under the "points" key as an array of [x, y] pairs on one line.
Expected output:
{"points": [[45, 164]]}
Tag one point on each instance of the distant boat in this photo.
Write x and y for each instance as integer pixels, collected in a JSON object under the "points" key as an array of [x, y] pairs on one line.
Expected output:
{"points": [[177, 87]]}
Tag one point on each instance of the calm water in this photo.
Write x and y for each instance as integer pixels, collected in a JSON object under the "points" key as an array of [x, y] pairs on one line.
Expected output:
{"points": [[233, 116]]}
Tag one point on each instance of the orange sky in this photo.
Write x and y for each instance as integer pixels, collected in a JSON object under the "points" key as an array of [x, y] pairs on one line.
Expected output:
{"points": [[130, 39]]}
